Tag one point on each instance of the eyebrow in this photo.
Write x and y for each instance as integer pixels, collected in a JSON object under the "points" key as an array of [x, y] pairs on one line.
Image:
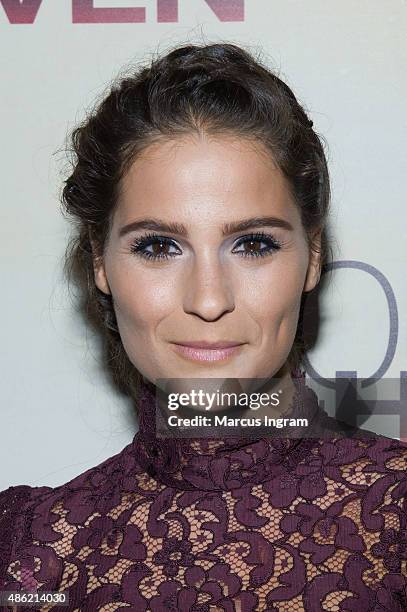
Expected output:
{"points": [[227, 229]]}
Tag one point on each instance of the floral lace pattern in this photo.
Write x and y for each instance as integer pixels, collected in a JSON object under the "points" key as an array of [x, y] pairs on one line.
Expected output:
{"points": [[275, 525]]}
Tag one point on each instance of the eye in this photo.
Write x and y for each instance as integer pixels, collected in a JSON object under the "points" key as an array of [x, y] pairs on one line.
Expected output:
{"points": [[155, 247], [253, 242], [158, 246]]}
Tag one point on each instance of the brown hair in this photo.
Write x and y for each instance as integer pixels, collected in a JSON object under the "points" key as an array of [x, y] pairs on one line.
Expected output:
{"points": [[215, 88]]}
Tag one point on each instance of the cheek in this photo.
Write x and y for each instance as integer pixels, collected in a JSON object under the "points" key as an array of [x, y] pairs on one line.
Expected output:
{"points": [[273, 295], [141, 298]]}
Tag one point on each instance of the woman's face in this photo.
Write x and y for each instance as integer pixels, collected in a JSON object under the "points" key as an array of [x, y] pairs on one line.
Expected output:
{"points": [[210, 280]]}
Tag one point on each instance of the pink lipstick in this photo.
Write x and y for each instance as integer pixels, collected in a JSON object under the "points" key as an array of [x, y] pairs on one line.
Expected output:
{"points": [[207, 351]]}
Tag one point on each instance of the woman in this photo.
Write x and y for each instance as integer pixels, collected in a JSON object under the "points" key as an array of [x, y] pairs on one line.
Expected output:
{"points": [[200, 193]]}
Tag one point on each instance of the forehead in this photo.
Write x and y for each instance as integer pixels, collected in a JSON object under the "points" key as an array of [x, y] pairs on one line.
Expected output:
{"points": [[220, 177]]}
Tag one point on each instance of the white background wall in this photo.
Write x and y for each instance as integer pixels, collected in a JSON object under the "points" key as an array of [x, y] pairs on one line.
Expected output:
{"points": [[345, 59]]}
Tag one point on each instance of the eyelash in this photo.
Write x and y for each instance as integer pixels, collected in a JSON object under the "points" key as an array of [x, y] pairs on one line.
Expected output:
{"points": [[139, 245]]}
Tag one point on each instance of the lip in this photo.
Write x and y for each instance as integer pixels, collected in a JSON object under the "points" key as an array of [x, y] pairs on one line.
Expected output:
{"points": [[210, 345], [207, 351]]}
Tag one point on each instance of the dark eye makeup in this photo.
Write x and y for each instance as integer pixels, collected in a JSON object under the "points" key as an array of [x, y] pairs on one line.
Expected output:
{"points": [[160, 243]]}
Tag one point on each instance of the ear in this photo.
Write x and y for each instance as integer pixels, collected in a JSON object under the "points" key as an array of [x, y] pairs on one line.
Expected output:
{"points": [[314, 265], [99, 267]]}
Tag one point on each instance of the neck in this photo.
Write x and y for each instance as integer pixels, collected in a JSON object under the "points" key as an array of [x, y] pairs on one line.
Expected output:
{"points": [[212, 463]]}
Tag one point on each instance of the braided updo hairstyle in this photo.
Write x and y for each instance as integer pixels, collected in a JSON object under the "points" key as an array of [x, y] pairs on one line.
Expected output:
{"points": [[212, 89]]}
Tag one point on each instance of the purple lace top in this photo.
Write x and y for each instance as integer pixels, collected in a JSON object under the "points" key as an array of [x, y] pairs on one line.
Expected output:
{"points": [[269, 524]]}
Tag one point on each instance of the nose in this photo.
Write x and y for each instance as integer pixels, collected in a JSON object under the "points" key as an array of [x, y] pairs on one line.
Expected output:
{"points": [[208, 289]]}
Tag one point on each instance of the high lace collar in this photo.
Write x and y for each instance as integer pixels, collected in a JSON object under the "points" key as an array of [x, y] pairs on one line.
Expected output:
{"points": [[221, 464]]}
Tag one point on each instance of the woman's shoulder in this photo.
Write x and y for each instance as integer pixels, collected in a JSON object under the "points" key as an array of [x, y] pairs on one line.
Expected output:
{"points": [[374, 466], [352, 444], [112, 471], [13, 506], [26, 512], [13, 502]]}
